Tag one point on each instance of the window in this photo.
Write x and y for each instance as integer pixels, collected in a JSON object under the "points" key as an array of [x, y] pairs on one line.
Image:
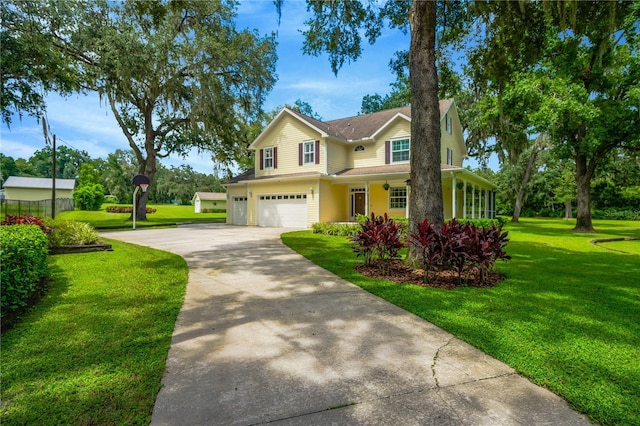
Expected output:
{"points": [[400, 150], [309, 152], [398, 197], [359, 148], [448, 124], [449, 156], [268, 158]]}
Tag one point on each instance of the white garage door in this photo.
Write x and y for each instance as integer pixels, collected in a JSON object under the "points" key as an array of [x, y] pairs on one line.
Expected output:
{"points": [[288, 211], [239, 211]]}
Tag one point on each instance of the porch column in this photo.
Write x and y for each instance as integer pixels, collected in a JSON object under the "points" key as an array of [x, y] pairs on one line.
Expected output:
{"points": [[366, 199], [487, 198], [406, 213], [453, 197], [480, 202], [464, 200], [473, 201]]}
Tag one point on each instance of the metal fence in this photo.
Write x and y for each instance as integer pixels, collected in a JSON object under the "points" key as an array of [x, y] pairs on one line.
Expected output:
{"points": [[40, 208]]}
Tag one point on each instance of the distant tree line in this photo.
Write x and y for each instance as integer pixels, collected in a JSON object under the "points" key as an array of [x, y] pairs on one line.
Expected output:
{"points": [[172, 184]]}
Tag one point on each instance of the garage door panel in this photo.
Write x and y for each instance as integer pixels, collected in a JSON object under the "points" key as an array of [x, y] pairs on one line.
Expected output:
{"points": [[288, 211], [239, 211]]}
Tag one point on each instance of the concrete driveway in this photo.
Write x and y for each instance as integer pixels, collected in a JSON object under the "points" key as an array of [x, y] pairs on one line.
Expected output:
{"points": [[267, 337]]}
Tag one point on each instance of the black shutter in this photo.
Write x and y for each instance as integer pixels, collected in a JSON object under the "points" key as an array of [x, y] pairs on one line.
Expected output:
{"points": [[275, 157], [299, 154], [317, 152], [261, 159]]}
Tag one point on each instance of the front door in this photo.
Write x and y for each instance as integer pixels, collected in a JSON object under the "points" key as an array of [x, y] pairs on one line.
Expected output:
{"points": [[358, 203]]}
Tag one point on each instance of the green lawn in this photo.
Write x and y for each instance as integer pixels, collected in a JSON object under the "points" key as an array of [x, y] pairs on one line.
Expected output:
{"points": [[166, 214], [567, 316], [94, 350], [624, 246]]}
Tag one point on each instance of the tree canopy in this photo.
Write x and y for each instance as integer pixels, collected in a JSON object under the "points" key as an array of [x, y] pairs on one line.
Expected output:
{"points": [[176, 75]]}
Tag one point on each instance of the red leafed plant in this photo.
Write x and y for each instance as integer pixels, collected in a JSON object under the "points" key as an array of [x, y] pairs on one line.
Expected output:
{"points": [[379, 241], [24, 219]]}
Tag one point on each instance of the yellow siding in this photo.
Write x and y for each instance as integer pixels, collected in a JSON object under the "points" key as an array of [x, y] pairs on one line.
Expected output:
{"points": [[286, 135], [27, 194], [454, 141], [374, 153], [334, 200], [338, 157], [379, 199]]}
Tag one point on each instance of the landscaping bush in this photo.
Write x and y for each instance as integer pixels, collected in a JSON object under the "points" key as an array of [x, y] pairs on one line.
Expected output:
{"points": [[23, 255], [616, 214], [126, 209], [70, 233], [459, 247], [336, 229], [89, 196], [378, 241], [25, 219], [213, 211], [486, 223]]}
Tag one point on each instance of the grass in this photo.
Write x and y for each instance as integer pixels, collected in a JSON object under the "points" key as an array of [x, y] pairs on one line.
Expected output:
{"points": [[94, 350], [567, 316], [623, 246], [166, 214]]}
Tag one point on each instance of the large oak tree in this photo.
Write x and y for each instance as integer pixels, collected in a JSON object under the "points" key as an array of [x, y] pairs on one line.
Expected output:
{"points": [[177, 75]]}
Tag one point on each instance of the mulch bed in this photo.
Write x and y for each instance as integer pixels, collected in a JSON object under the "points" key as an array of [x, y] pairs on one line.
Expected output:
{"points": [[401, 273]]}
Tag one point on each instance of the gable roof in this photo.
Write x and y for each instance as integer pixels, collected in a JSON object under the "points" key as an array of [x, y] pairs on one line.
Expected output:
{"points": [[356, 128], [38, 183], [211, 196]]}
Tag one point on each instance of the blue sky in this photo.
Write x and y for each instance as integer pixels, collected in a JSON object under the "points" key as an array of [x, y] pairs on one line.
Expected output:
{"points": [[85, 123]]}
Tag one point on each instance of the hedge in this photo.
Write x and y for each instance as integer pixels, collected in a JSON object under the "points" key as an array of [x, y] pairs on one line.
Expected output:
{"points": [[24, 264]]}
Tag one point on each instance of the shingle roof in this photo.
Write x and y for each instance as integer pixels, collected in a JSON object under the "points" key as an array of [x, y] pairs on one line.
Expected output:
{"points": [[38, 183], [363, 126], [386, 169], [212, 196]]}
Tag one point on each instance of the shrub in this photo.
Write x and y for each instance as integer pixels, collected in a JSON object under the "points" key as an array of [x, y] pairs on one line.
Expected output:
{"points": [[616, 214], [427, 240], [460, 247], [378, 240], [485, 222], [213, 211], [25, 219], [89, 196], [70, 233], [24, 264], [126, 209], [336, 229]]}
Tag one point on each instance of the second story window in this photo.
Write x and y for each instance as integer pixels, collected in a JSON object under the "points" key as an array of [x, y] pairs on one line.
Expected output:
{"points": [[448, 124], [449, 156], [309, 152], [267, 160], [400, 150]]}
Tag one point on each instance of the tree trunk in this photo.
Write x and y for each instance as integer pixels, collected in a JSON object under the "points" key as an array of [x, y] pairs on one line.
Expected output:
{"points": [[149, 167], [568, 211], [523, 186], [583, 181], [425, 199]]}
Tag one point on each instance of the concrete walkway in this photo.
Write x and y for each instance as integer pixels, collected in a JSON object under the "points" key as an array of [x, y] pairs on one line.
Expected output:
{"points": [[267, 337]]}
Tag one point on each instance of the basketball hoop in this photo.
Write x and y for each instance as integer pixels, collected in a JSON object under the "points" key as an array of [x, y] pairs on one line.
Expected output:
{"points": [[144, 187]]}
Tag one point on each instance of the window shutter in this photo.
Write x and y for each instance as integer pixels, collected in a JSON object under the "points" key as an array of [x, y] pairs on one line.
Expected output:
{"points": [[275, 157], [317, 152], [261, 159], [299, 154], [387, 152]]}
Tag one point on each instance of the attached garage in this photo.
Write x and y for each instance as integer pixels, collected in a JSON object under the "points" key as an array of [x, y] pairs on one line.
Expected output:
{"points": [[287, 211], [239, 211]]}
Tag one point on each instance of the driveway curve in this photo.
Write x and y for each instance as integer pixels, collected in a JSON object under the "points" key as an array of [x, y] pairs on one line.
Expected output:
{"points": [[267, 337]]}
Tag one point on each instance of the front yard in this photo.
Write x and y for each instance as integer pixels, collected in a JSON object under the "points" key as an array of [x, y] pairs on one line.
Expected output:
{"points": [[566, 317], [93, 351]]}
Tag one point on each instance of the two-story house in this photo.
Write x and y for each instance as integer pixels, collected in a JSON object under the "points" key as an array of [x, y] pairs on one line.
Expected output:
{"points": [[309, 171]]}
